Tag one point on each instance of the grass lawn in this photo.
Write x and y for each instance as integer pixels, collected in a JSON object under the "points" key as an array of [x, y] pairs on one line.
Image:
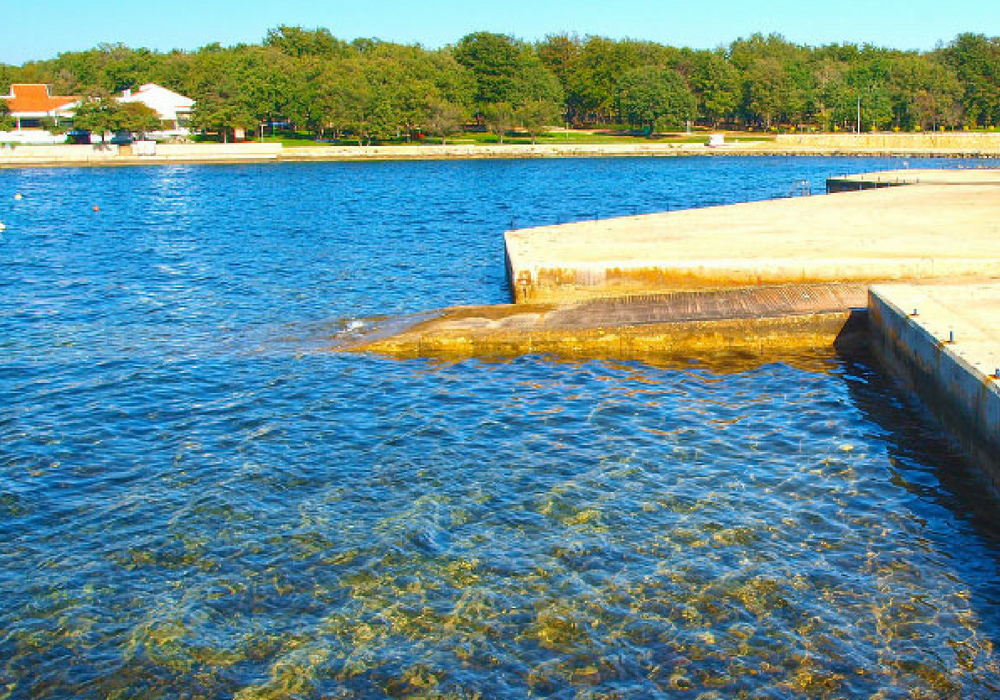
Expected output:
{"points": [[589, 136]]}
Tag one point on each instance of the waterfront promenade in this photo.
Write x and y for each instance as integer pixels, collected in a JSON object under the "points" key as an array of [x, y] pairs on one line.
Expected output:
{"points": [[950, 145]]}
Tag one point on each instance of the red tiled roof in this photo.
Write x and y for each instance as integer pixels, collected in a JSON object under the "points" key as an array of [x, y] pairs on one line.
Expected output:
{"points": [[34, 97]]}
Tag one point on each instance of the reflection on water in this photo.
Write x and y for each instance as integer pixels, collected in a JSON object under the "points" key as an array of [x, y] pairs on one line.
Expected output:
{"points": [[197, 501]]}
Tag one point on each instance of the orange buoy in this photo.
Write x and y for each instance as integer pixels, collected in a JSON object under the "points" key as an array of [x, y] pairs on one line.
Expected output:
{"points": [[96, 208]]}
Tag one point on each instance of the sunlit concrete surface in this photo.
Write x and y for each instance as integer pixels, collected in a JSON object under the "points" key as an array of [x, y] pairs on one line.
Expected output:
{"points": [[892, 178], [899, 233], [943, 342]]}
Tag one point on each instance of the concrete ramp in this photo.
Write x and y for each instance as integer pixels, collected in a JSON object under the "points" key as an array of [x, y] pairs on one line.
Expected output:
{"points": [[751, 322]]}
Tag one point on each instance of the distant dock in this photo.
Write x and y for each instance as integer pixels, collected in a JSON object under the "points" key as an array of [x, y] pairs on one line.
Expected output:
{"points": [[897, 178]]}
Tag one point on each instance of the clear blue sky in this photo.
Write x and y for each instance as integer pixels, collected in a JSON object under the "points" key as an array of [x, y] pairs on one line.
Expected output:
{"points": [[43, 28]]}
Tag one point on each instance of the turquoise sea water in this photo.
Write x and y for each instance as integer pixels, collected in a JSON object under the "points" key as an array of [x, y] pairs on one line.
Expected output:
{"points": [[199, 500]]}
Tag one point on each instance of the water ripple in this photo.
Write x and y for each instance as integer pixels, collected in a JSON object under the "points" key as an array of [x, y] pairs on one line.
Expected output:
{"points": [[197, 501]]}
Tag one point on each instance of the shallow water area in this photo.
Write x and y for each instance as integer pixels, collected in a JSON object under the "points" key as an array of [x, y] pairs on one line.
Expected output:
{"points": [[198, 500]]}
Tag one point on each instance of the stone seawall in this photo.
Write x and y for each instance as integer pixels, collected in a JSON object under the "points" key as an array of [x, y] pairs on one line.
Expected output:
{"points": [[113, 154], [901, 145], [965, 142], [486, 151]]}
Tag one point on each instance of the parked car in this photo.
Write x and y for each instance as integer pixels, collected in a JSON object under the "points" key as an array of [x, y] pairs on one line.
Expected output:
{"points": [[78, 136], [121, 138]]}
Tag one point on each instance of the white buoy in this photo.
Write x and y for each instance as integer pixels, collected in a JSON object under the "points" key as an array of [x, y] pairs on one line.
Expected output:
{"points": [[18, 196], [2, 227]]}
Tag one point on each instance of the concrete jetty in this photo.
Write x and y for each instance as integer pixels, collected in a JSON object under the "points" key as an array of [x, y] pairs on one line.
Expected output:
{"points": [[903, 233], [943, 342], [758, 280], [897, 178]]}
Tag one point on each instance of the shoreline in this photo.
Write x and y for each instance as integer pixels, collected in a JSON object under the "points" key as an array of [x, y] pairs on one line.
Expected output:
{"points": [[169, 154]]}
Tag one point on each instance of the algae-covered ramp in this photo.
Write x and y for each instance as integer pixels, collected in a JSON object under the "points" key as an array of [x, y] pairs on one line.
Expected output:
{"points": [[759, 321], [915, 233]]}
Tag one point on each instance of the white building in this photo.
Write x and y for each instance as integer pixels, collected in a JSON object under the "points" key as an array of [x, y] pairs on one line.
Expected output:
{"points": [[31, 105], [174, 109]]}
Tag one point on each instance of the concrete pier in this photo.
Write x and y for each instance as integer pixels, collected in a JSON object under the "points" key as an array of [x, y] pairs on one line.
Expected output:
{"points": [[899, 233], [896, 178], [943, 342], [759, 280]]}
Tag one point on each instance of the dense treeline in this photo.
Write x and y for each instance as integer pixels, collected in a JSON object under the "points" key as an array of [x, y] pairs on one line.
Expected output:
{"points": [[371, 89]]}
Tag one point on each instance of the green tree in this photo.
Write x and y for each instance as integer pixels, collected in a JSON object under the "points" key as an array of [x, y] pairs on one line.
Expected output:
{"points": [[268, 86], [98, 114], [8, 75], [655, 99], [876, 107], [534, 116], [385, 89], [216, 113], [7, 122], [925, 92], [778, 84], [494, 62], [137, 118], [340, 94], [499, 118], [976, 61], [300, 42], [55, 126], [766, 87], [108, 67], [444, 119], [716, 84], [560, 54], [505, 71], [216, 82], [832, 96], [870, 81], [592, 95], [744, 52]]}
